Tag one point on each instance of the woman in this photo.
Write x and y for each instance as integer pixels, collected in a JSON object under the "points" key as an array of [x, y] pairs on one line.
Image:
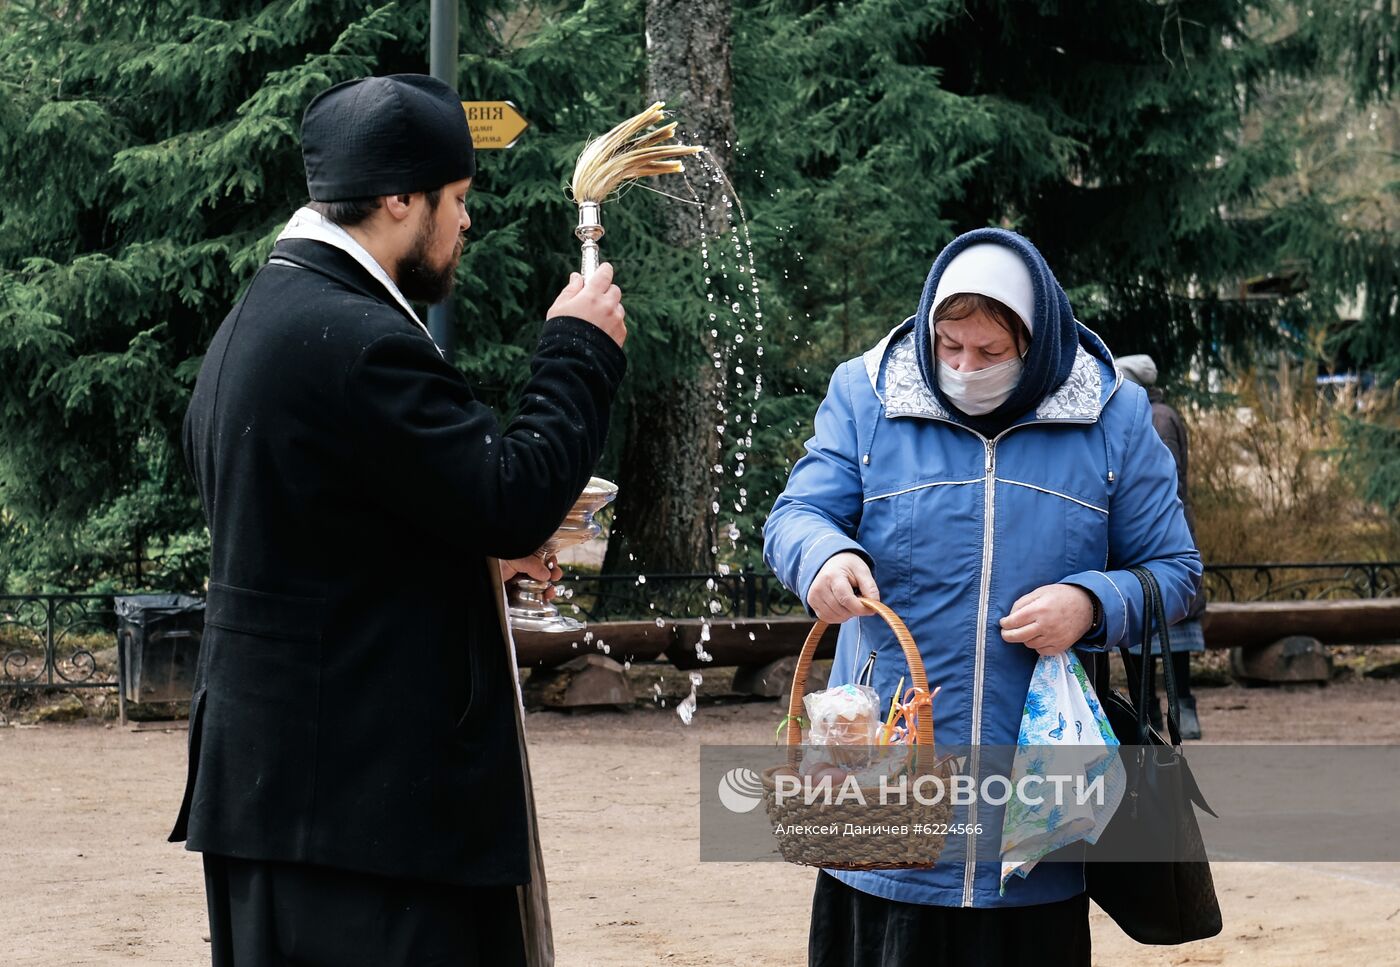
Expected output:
{"points": [[1188, 635], [985, 473]]}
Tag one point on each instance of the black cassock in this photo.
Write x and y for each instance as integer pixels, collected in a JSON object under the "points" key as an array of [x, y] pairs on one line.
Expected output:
{"points": [[353, 706]]}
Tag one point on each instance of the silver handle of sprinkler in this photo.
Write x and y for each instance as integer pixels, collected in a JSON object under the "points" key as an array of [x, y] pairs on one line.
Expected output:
{"points": [[590, 229]]}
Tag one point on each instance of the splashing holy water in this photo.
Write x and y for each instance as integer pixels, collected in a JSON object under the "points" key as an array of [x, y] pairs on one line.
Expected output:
{"points": [[735, 326], [734, 311]]}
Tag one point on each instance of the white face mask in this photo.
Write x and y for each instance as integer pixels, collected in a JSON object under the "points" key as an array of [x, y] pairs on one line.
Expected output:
{"points": [[980, 392]]}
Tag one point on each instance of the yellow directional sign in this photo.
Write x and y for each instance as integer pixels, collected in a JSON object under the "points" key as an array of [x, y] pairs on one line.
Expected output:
{"points": [[494, 124]]}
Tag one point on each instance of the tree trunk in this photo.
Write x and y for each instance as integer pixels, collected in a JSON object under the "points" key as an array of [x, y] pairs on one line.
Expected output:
{"points": [[664, 519]]}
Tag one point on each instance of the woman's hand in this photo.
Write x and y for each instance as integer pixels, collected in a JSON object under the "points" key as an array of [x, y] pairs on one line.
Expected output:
{"points": [[1050, 619], [831, 595]]}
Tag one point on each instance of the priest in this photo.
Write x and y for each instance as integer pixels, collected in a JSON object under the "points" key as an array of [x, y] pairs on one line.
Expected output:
{"points": [[358, 784]]}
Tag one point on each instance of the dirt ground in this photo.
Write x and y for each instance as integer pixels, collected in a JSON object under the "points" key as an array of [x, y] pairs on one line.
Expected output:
{"points": [[86, 876]]}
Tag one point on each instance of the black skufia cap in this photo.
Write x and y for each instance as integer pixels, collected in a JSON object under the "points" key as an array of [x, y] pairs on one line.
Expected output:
{"points": [[385, 136]]}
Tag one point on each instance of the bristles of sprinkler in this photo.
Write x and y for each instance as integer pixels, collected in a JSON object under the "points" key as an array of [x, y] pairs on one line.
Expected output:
{"points": [[607, 163], [628, 152]]}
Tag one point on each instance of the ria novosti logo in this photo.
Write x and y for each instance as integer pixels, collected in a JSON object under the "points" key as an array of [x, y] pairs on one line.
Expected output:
{"points": [[740, 790]]}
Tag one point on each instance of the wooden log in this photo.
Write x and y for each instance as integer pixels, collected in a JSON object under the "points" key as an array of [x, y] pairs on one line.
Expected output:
{"points": [[774, 679], [759, 641], [1293, 659], [767, 680], [588, 680], [625, 641], [1350, 622], [745, 641]]}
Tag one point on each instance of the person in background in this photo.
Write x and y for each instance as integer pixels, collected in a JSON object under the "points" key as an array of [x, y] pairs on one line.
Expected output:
{"points": [[1186, 635]]}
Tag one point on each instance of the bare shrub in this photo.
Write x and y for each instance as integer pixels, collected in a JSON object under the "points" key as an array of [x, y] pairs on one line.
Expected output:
{"points": [[1266, 479]]}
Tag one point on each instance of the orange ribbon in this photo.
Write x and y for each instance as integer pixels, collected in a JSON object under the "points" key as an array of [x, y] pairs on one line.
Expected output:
{"points": [[917, 701]]}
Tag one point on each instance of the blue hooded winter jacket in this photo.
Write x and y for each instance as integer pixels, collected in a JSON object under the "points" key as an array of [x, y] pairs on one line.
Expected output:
{"points": [[957, 526]]}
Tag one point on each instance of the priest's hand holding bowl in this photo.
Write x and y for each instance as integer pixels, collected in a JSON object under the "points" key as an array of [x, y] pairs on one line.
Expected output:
{"points": [[535, 567]]}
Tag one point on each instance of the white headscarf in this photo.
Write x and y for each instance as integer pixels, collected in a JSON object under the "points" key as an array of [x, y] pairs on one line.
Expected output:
{"points": [[994, 271]]}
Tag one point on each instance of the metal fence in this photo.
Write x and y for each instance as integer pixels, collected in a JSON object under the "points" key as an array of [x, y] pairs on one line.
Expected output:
{"points": [[58, 641], [1317, 581]]}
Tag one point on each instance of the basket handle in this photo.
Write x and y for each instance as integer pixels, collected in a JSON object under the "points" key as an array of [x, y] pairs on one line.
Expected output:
{"points": [[924, 725]]}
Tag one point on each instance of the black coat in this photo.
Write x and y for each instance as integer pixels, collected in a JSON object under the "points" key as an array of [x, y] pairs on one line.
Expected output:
{"points": [[352, 706]]}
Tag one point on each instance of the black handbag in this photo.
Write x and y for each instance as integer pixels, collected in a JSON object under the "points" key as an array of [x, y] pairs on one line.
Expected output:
{"points": [[1168, 897]]}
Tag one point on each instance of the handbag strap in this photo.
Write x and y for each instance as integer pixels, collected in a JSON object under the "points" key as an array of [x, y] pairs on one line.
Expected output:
{"points": [[1154, 616], [1139, 694]]}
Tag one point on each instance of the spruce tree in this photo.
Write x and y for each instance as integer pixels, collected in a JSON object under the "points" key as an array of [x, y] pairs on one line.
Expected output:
{"points": [[150, 155], [1110, 133]]}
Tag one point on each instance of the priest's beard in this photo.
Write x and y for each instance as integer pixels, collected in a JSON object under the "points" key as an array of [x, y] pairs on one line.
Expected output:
{"points": [[418, 280]]}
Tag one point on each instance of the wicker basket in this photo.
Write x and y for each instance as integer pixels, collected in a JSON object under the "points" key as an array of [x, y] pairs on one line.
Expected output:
{"points": [[873, 850]]}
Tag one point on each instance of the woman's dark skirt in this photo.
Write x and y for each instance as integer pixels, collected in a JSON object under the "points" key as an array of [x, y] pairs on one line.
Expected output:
{"points": [[855, 929]]}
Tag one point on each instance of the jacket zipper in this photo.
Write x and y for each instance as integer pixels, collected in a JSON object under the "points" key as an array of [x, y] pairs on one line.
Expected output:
{"points": [[989, 511]]}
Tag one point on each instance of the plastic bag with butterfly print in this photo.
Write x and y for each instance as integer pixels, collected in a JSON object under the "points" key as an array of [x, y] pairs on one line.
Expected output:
{"points": [[1063, 732]]}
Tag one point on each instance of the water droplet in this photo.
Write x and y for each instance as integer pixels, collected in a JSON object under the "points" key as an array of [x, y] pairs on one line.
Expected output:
{"points": [[686, 708]]}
